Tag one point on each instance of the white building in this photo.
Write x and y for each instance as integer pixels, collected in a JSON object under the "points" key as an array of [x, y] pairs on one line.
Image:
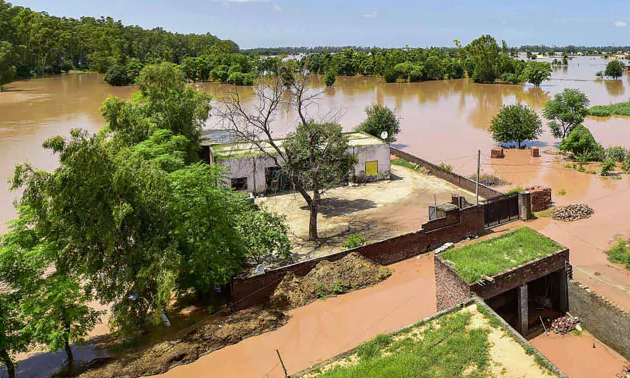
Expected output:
{"points": [[251, 170]]}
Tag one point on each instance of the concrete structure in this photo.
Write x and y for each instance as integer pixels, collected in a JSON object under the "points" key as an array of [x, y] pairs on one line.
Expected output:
{"points": [[251, 169], [520, 294]]}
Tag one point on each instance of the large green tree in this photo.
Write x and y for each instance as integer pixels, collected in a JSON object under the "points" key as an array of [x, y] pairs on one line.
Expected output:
{"points": [[537, 72], [484, 51], [581, 143], [380, 118], [614, 69], [515, 123], [7, 69], [566, 111]]}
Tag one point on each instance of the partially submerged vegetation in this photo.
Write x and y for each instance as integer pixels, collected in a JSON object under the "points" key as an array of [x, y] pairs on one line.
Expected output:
{"points": [[619, 253], [463, 343], [496, 255], [619, 109]]}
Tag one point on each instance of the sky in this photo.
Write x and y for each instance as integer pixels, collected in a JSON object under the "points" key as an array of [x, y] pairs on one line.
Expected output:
{"points": [[391, 23]]}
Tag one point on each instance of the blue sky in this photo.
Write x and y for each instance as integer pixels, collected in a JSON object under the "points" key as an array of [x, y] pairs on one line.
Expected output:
{"points": [[257, 23]]}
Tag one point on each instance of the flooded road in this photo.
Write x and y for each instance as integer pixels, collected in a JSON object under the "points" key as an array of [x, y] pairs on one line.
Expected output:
{"points": [[325, 328], [441, 120]]}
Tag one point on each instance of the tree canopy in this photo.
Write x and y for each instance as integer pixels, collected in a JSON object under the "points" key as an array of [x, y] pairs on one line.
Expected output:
{"points": [[566, 111], [515, 123], [537, 72], [614, 69], [581, 143], [380, 118]]}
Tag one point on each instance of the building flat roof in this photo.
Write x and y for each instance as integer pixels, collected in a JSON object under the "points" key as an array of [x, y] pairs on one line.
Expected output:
{"points": [[469, 341], [497, 255], [239, 150]]}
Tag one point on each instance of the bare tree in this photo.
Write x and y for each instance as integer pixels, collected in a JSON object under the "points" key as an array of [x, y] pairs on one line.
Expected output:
{"points": [[318, 161]]}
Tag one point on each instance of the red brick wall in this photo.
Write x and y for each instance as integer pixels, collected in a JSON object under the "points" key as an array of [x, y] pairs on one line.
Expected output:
{"points": [[541, 198], [521, 275], [455, 179], [450, 290], [255, 290]]}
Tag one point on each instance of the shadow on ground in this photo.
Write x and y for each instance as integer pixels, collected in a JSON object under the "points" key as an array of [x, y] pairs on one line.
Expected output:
{"points": [[333, 207]]}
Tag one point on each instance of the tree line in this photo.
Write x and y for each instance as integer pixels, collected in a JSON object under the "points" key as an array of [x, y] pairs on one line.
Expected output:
{"points": [[131, 218], [483, 60], [36, 43]]}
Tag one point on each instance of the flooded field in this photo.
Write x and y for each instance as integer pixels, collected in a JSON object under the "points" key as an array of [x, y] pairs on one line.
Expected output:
{"points": [[441, 120]]}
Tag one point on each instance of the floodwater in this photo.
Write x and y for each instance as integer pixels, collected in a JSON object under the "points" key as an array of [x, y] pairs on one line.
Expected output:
{"points": [[326, 328], [580, 356], [441, 120]]}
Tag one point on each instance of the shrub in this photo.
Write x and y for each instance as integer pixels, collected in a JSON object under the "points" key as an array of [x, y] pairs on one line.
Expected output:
{"points": [[380, 118], [116, 75], [619, 253], [354, 241], [616, 153], [562, 192], [390, 76], [446, 167], [516, 190], [330, 78], [580, 142], [607, 167]]}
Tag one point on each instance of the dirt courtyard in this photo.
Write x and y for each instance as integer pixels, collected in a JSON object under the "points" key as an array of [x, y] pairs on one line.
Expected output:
{"points": [[378, 210]]}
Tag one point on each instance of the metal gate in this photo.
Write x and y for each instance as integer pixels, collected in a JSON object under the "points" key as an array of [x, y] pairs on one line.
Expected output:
{"points": [[500, 210]]}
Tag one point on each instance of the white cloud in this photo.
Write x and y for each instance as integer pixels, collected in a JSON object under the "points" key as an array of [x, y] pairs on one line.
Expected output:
{"points": [[620, 24], [370, 15], [504, 22]]}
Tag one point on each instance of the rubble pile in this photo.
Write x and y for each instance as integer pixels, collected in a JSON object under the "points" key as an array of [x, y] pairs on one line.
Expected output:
{"points": [[564, 325], [572, 213], [625, 373]]}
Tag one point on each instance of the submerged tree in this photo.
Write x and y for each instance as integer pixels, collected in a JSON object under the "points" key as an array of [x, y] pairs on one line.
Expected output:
{"points": [[566, 111], [537, 72], [515, 123], [614, 69], [380, 118]]}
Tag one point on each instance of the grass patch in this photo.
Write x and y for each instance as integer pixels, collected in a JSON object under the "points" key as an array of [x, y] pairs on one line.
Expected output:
{"points": [[446, 348], [619, 253], [619, 108], [544, 213], [562, 192], [496, 255], [516, 190], [405, 163]]}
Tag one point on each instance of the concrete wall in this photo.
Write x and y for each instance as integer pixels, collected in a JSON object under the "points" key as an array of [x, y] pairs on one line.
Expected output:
{"points": [[379, 152], [521, 274], [450, 290], [605, 320], [455, 179], [251, 167], [456, 226]]}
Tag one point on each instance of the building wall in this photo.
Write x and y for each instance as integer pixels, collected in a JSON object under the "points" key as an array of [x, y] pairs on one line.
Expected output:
{"points": [[541, 198], [455, 179], [456, 226], [251, 167], [450, 290], [379, 152], [605, 320], [521, 274]]}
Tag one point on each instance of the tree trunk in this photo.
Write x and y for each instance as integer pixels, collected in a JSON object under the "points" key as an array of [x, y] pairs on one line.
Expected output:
{"points": [[67, 347], [312, 224], [4, 356]]}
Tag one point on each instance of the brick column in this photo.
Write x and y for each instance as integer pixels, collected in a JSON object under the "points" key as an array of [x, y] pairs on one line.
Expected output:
{"points": [[525, 206], [563, 286], [523, 310]]}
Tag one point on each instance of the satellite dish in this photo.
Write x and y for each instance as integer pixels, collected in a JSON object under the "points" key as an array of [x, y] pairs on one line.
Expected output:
{"points": [[260, 269], [384, 135]]}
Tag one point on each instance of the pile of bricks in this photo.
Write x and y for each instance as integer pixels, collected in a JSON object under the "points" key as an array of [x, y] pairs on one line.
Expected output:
{"points": [[541, 198], [625, 373], [564, 325]]}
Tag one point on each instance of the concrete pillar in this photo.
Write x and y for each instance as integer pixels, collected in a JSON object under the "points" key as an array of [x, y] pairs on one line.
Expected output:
{"points": [[525, 206], [523, 310]]}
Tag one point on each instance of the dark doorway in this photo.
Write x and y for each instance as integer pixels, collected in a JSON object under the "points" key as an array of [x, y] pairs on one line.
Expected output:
{"points": [[239, 183], [277, 180], [506, 305]]}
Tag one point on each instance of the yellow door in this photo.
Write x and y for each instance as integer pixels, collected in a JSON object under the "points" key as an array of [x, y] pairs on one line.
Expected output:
{"points": [[371, 168]]}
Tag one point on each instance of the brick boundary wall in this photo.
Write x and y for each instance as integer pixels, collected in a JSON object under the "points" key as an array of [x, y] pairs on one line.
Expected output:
{"points": [[521, 274], [541, 198], [455, 179], [602, 318], [457, 225], [450, 290]]}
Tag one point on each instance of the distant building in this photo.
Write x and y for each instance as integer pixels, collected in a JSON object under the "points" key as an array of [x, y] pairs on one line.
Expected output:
{"points": [[251, 170]]}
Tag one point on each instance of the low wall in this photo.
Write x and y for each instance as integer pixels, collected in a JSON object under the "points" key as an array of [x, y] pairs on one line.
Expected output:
{"points": [[457, 225], [455, 179], [541, 198], [602, 318], [450, 290]]}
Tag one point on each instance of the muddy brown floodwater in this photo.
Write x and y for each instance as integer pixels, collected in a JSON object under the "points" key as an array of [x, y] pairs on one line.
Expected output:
{"points": [[441, 120]]}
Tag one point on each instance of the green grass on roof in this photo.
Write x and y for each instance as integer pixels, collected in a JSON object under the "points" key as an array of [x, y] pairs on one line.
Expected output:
{"points": [[497, 255]]}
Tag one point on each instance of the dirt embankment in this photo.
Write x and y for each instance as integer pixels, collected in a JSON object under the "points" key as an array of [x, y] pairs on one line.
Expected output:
{"points": [[328, 278], [207, 338]]}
